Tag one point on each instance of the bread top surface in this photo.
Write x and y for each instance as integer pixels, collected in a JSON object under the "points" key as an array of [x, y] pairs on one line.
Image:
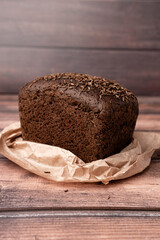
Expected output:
{"points": [[92, 90]]}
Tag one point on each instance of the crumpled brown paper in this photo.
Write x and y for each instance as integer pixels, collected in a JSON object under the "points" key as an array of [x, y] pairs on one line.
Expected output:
{"points": [[60, 165]]}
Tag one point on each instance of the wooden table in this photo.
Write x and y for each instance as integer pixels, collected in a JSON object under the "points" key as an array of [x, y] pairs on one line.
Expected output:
{"points": [[35, 208]]}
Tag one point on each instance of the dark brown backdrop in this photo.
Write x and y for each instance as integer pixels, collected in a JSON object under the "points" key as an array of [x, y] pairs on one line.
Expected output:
{"points": [[115, 39]]}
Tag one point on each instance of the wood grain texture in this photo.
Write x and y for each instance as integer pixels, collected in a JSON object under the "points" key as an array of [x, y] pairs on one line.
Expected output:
{"points": [[74, 226], [79, 213], [18, 191], [115, 39], [147, 104], [144, 122], [136, 70], [148, 120], [18, 187], [86, 24]]}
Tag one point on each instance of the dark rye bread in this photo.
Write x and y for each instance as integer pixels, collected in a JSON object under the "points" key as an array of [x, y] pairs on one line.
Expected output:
{"points": [[88, 115]]}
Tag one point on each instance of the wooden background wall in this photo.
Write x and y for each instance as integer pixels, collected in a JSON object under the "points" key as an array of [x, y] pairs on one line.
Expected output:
{"points": [[115, 39]]}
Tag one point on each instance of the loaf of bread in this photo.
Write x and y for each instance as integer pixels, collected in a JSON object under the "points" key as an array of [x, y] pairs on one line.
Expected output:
{"points": [[88, 115]]}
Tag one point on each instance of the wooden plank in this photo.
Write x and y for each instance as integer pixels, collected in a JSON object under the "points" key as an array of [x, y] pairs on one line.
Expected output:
{"points": [[156, 155], [87, 24], [11, 98], [148, 122], [141, 191], [147, 105], [20, 189], [79, 213], [73, 226], [144, 123], [136, 70]]}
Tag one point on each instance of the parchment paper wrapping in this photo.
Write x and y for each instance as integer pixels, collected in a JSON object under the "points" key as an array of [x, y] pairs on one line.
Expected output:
{"points": [[60, 165]]}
